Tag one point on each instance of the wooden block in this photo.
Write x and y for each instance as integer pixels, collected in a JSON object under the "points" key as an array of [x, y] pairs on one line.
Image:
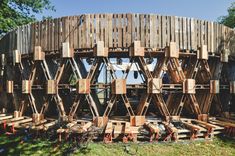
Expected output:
{"points": [[3, 60], [203, 117], [118, 86], [37, 117], [52, 87], [10, 86], [100, 121], [26, 87], [214, 87], [189, 86], [232, 87], [16, 57], [109, 128], [39, 55], [83, 86], [17, 114], [137, 120], [224, 55], [127, 128], [100, 50], [67, 51], [154, 85], [172, 51], [202, 53], [136, 49]]}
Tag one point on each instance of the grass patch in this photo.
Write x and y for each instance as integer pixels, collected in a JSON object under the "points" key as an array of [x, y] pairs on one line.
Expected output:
{"points": [[12, 145]]}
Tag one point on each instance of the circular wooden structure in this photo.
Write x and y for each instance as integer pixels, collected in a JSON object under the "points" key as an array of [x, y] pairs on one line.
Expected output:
{"points": [[54, 68]]}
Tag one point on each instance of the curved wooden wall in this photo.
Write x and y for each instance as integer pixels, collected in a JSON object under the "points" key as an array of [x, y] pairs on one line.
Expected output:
{"points": [[118, 31]]}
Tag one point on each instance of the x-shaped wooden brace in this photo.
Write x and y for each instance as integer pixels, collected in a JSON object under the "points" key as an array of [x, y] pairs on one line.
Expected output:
{"points": [[17, 66], [207, 98], [115, 97], [177, 75], [93, 74], [30, 97], [148, 97]]}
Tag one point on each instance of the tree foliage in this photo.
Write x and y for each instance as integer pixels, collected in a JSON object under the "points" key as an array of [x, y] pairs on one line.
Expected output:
{"points": [[14, 13], [229, 20]]}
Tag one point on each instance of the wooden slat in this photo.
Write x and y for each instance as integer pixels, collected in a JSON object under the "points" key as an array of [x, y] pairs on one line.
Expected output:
{"points": [[129, 29], [92, 32], [88, 28], [102, 27], [147, 30], [110, 28], [60, 33], [119, 28], [193, 34], [172, 29], [114, 30], [159, 31], [168, 30], [184, 35], [124, 30], [188, 34], [163, 31]]}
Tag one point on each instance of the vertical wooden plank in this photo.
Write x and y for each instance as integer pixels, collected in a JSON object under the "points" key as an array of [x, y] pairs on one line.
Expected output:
{"points": [[193, 34], [202, 25], [49, 29], [168, 30], [152, 30], [212, 37], [44, 35], [184, 33], [97, 28], [177, 30], [119, 16], [70, 31], [164, 32], [106, 30], [198, 33], [28, 38], [209, 36], [24, 39], [88, 28], [159, 31], [114, 30], [147, 31], [133, 28], [84, 32], [124, 29], [172, 29], [206, 33], [138, 27], [129, 29], [110, 29], [142, 29], [74, 28], [51, 36], [32, 36], [60, 36], [188, 33], [56, 33], [80, 23], [92, 29], [101, 27]]}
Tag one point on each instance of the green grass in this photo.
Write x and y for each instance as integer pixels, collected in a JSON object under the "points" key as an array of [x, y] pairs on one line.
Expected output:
{"points": [[15, 146]]}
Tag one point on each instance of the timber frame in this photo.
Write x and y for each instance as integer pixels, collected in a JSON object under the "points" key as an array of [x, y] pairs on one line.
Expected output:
{"points": [[51, 73]]}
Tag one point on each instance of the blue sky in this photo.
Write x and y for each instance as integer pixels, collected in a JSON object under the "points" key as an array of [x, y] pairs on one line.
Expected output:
{"points": [[202, 9]]}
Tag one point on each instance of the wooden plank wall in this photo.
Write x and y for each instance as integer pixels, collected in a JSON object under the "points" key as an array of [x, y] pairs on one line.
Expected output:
{"points": [[117, 30]]}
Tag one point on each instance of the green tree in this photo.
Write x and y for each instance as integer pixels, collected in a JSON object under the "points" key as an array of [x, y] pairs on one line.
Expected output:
{"points": [[14, 13], [229, 20]]}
